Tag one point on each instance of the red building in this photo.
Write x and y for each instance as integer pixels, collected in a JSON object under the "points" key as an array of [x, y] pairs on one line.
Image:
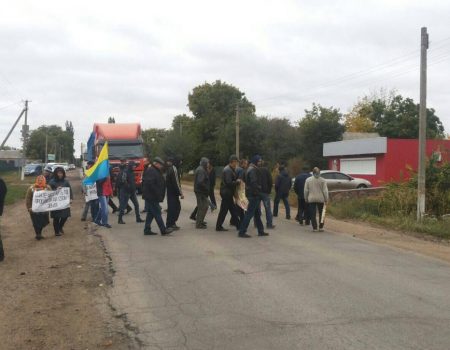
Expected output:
{"points": [[381, 159]]}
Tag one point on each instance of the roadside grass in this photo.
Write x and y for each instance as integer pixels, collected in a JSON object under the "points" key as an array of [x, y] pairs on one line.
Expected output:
{"points": [[368, 209], [16, 188]]}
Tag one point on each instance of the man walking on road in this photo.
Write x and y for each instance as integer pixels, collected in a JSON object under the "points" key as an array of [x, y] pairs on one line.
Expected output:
{"points": [[283, 184], [316, 195], [299, 188], [227, 190], [174, 194], [126, 189], [154, 191], [266, 190], [253, 193], [201, 189]]}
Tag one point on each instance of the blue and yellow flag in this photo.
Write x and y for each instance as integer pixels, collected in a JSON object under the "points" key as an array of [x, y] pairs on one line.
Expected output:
{"points": [[100, 170]]}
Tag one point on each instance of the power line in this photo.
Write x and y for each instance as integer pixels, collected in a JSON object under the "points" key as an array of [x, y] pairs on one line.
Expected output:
{"points": [[12, 104]]}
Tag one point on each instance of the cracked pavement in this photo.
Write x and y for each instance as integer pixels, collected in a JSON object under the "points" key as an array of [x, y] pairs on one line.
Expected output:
{"points": [[200, 289]]}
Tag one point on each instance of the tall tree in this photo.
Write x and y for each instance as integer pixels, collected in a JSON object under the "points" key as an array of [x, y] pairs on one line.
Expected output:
{"points": [[319, 125], [59, 142]]}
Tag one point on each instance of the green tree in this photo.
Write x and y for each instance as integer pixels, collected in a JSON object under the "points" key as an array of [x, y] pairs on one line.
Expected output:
{"points": [[319, 125], [59, 141]]}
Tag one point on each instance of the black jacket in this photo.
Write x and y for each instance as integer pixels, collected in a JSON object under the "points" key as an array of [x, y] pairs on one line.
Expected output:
{"points": [[266, 180], [173, 181], [252, 181], [125, 180], [153, 185], [3, 191], [283, 183], [228, 184], [201, 181], [299, 184]]}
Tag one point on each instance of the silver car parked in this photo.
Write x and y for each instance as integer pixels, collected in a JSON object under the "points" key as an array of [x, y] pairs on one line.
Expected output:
{"points": [[340, 181]]}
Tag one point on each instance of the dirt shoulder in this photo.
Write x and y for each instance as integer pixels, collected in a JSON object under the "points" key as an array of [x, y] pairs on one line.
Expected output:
{"points": [[54, 292]]}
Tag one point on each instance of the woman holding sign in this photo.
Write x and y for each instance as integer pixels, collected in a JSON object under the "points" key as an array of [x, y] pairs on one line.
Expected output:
{"points": [[39, 220], [60, 216]]}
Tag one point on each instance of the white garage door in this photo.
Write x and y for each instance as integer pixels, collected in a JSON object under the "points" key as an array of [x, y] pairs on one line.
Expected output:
{"points": [[359, 166]]}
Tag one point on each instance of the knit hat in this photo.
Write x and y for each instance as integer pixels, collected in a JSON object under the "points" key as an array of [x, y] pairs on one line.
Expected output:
{"points": [[158, 160], [255, 159]]}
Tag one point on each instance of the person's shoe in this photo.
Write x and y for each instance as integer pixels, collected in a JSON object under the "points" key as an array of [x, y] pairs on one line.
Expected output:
{"points": [[96, 223], [270, 227], [107, 226], [204, 223], [221, 229], [149, 232], [57, 234], [263, 234], [140, 220], [61, 230], [115, 210], [201, 227], [168, 231], [301, 222], [321, 229], [244, 235], [83, 219], [315, 230], [297, 219], [175, 227], [121, 221], [288, 218], [192, 218], [128, 210], [307, 223], [39, 237]]}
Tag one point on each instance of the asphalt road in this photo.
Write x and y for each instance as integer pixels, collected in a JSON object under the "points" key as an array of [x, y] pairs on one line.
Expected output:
{"points": [[295, 289]]}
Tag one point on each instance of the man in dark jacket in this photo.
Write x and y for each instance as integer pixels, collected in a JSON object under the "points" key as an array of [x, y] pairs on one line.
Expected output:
{"points": [[227, 190], [299, 188], [266, 190], [154, 191], [253, 193], [201, 189], [126, 190], [283, 185], [3, 191], [174, 194]]}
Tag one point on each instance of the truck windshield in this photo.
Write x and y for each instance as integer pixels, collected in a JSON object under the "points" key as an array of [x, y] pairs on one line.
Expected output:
{"points": [[125, 151]]}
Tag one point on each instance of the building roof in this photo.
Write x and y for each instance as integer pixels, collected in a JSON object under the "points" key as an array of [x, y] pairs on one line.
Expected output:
{"points": [[10, 154], [376, 145]]}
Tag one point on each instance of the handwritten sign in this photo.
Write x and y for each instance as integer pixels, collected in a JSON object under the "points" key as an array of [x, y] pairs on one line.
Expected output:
{"points": [[91, 193], [51, 200]]}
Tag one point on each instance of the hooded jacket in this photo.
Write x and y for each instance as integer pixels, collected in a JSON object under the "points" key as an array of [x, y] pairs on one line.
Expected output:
{"points": [[316, 190], [201, 178], [283, 183]]}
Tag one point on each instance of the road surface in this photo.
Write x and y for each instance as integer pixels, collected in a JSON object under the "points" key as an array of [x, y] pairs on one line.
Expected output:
{"points": [[200, 289]]}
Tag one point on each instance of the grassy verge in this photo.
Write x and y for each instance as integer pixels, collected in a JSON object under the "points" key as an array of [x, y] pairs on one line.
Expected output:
{"points": [[16, 188], [367, 209]]}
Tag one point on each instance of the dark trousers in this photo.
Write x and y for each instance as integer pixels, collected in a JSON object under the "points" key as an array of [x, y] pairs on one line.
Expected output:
{"points": [[93, 207], [313, 207], [267, 208], [154, 212], [58, 224], [253, 211], [227, 205], [2, 252], [114, 206], [39, 220], [173, 209], [276, 203], [212, 197], [202, 208], [303, 212], [124, 197]]}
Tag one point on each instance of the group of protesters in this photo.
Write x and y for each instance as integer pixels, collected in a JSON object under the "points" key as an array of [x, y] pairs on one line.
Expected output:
{"points": [[245, 188]]}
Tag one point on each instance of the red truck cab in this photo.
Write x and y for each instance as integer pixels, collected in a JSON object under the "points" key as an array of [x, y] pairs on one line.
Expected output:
{"points": [[124, 143]]}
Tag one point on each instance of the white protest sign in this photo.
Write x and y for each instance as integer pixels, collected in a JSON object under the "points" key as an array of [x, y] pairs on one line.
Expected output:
{"points": [[51, 200], [91, 193]]}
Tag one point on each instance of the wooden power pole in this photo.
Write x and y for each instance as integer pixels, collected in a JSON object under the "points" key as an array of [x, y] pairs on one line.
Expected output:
{"points": [[422, 124]]}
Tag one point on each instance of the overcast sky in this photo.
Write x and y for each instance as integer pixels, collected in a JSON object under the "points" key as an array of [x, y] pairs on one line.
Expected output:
{"points": [[137, 60]]}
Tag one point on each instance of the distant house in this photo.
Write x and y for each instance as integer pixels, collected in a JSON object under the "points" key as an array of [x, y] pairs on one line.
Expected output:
{"points": [[10, 159], [381, 159]]}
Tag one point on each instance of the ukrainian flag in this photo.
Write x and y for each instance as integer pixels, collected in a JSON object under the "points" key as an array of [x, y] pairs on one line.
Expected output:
{"points": [[100, 170]]}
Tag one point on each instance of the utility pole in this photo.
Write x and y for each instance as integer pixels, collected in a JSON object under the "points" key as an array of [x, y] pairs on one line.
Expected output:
{"points": [[237, 130], [422, 124], [25, 133], [46, 147]]}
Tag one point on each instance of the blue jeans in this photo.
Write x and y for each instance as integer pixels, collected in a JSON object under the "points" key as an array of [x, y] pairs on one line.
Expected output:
{"points": [[154, 212], [265, 197], [253, 210], [276, 203], [102, 215]]}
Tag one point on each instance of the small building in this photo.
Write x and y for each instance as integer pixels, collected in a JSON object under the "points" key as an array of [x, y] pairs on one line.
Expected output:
{"points": [[381, 159], [10, 159]]}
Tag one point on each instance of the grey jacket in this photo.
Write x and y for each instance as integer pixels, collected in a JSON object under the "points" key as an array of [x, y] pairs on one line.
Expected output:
{"points": [[316, 190]]}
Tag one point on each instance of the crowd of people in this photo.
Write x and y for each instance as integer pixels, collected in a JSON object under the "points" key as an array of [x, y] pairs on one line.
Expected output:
{"points": [[245, 188]]}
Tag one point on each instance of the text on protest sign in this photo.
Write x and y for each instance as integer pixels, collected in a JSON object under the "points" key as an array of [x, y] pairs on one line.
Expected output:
{"points": [[51, 200], [91, 193]]}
